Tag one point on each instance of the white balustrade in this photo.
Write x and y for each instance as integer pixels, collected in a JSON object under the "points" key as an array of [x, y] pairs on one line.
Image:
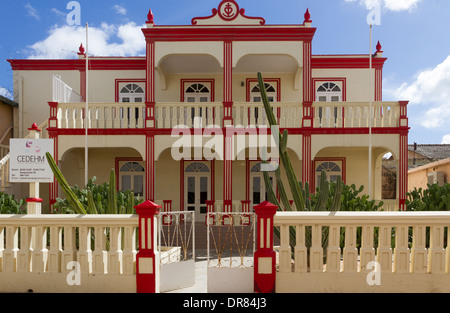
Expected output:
{"points": [[101, 115], [406, 254], [355, 114], [54, 243], [170, 115]]}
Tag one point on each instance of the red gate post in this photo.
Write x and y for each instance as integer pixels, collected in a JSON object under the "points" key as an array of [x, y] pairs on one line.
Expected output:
{"points": [[264, 256], [147, 259]]}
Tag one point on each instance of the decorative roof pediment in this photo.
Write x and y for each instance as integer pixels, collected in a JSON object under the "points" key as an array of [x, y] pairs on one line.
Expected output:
{"points": [[228, 13]]}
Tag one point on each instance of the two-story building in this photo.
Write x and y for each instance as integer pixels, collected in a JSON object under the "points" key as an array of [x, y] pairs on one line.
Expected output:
{"points": [[205, 74]]}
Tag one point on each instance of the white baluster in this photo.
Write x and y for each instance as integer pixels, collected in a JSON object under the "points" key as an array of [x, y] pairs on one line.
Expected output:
{"points": [[115, 252], [99, 265], [333, 250], [129, 250]]}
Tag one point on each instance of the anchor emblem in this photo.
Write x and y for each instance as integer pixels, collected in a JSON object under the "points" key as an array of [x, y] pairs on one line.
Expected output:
{"points": [[228, 10]]}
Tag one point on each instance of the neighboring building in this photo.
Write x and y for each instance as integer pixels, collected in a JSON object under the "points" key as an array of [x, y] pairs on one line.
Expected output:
{"points": [[208, 70], [437, 172], [7, 108], [422, 154]]}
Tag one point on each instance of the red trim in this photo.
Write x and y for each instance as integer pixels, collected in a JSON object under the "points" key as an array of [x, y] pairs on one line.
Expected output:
{"points": [[202, 81], [276, 81], [344, 61], [228, 168], [342, 80], [403, 171], [182, 185], [306, 160], [307, 74], [247, 179], [95, 63], [129, 80], [83, 84], [34, 200], [193, 33], [236, 131], [150, 168], [379, 84], [228, 72], [228, 4], [150, 73], [229, 18]]}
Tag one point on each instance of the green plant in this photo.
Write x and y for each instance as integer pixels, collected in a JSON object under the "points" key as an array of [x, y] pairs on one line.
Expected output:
{"points": [[434, 198], [9, 205], [93, 198], [300, 193]]}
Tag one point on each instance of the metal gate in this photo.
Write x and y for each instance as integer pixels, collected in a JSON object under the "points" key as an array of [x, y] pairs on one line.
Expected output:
{"points": [[176, 250], [231, 245]]}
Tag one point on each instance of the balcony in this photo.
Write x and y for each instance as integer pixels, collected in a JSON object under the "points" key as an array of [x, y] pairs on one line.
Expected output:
{"points": [[115, 116], [355, 114]]}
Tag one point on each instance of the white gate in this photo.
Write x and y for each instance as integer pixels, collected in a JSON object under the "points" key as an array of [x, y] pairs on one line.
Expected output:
{"points": [[177, 250], [231, 245]]}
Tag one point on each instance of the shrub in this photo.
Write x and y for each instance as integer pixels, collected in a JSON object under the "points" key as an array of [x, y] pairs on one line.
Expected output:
{"points": [[434, 198], [9, 205]]}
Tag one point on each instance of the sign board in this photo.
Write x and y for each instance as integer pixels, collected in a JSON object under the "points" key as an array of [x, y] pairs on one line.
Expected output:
{"points": [[28, 163]]}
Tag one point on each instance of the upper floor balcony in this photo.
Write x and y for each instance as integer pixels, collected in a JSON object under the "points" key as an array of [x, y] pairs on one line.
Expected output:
{"points": [[131, 116]]}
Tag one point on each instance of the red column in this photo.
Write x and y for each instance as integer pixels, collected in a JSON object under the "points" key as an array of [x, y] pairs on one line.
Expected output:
{"points": [[308, 112], [150, 86], [150, 168], [147, 270], [209, 209], [264, 256], [228, 83], [403, 156]]}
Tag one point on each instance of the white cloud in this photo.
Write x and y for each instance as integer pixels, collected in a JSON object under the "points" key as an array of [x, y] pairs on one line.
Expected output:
{"points": [[32, 11], [446, 140], [430, 92], [106, 40], [5, 92], [392, 5], [120, 9]]}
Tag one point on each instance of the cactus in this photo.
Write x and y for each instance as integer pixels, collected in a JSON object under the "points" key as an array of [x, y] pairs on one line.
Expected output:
{"points": [[299, 193], [70, 195]]}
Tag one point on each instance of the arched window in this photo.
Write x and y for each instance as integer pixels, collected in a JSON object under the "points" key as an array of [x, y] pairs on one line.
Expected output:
{"points": [[131, 176], [332, 169], [329, 92], [197, 167], [197, 92], [255, 94], [258, 191], [132, 93]]}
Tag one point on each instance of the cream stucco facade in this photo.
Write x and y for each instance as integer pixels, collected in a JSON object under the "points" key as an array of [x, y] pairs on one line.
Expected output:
{"points": [[208, 71]]}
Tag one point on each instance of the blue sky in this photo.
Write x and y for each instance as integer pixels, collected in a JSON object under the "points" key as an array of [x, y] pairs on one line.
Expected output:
{"points": [[414, 35]]}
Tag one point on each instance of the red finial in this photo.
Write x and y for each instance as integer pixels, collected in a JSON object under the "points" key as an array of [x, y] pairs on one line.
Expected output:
{"points": [[307, 17], [379, 47], [34, 127], [150, 17], [81, 50]]}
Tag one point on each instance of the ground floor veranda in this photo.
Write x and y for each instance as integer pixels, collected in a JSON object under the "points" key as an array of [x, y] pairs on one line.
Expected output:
{"points": [[153, 167]]}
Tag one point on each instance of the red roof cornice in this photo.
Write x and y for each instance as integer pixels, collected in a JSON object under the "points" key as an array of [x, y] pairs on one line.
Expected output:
{"points": [[344, 61], [135, 63], [241, 33]]}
